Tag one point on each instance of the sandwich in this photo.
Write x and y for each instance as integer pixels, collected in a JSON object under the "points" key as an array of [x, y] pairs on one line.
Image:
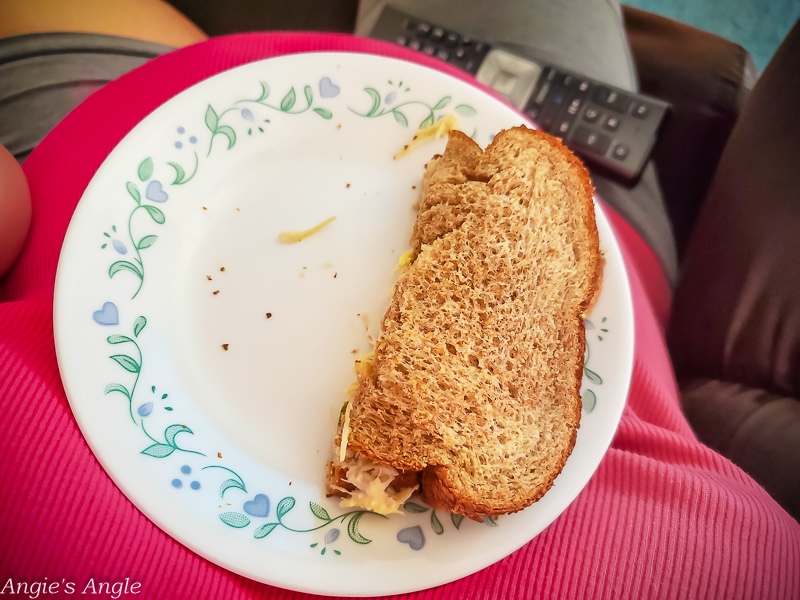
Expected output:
{"points": [[471, 397]]}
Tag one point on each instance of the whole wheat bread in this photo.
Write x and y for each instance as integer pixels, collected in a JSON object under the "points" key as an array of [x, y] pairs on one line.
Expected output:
{"points": [[475, 380]]}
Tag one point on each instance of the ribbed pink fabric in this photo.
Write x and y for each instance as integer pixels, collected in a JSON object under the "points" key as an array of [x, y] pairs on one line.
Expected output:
{"points": [[664, 517]]}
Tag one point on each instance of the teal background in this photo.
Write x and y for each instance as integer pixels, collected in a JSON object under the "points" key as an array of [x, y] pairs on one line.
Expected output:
{"points": [[758, 25]]}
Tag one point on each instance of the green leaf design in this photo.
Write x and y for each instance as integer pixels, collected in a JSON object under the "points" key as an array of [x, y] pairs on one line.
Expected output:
{"points": [[264, 530], [124, 265], [126, 362], [284, 506], [436, 524], [442, 103], [309, 95], [427, 122], [118, 387], [228, 484], [155, 213], [145, 170], [146, 241], [400, 118], [324, 113], [264, 92], [138, 325], [118, 339], [487, 520], [172, 431], [288, 100], [592, 376], [158, 450], [211, 119], [229, 133], [414, 508], [465, 110], [180, 173], [589, 400], [134, 191], [234, 519], [376, 101], [352, 530], [457, 520], [319, 511]]}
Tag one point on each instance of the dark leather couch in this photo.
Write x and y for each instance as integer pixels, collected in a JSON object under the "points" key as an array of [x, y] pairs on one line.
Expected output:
{"points": [[729, 165]]}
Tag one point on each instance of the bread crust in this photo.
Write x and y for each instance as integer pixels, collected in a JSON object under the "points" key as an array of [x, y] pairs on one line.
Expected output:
{"points": [[477, 371]]}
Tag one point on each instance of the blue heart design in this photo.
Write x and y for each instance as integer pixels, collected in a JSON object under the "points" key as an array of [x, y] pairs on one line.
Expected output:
{"points": [[413, 536], [258, 506], [328, 89], [155, 192], [108, 315]]}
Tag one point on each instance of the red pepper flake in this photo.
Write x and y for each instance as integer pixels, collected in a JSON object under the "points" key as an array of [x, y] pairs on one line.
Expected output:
{"points": [[215, 292], [347, 186], [208, 277], [222, 269], [338, 126], [269, 315], [335, 275], [219, 454], [225, 347], [205, 208], [413, 187]]}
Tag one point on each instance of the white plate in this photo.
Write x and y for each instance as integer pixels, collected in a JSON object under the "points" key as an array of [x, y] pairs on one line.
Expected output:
{"points": [[225, 449]]}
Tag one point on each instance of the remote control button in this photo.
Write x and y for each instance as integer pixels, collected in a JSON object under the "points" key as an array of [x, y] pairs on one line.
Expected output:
{"points": [[401, 40], [612, 123], [612, 99], [574, 105], [423, 29], [415, 44], [541, 94], [532, 112], [591, 140], [591, 115], [564, 126], [620, 152], [429, 49], [641, 110], [584, 86], [452, 38], [567, 80], [443, 54], [437, 33]]}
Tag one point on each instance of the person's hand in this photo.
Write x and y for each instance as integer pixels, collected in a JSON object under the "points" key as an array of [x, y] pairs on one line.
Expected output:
{"points": [[15, 210]]}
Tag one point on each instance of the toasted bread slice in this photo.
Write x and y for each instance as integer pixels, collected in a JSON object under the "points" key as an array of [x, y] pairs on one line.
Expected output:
{"points": [[475, 380]]}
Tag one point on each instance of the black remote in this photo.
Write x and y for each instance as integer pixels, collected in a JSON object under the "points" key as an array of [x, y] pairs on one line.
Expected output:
{"points": [[613, 130]]}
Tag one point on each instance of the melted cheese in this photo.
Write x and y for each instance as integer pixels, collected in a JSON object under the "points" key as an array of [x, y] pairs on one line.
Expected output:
{"points": [[372, 481], [292, 237], [345, 433], [407, 259], [435, 131], [373, 487]]}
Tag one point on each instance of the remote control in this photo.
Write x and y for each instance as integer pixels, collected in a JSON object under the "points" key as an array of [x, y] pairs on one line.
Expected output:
{"points": [[613, 130]]}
